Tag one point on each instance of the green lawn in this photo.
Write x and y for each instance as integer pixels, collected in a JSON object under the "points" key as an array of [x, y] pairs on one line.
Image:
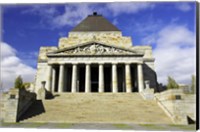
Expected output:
{"points": [[122, 126]]}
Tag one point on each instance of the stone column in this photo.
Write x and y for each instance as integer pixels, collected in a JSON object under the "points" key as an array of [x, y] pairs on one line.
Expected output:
{"points": [[128, 78], [87, 79], [101, 78], [49, 80], [114, 78], [140, 78], [61, 78], [74, 78], [53, 79]]}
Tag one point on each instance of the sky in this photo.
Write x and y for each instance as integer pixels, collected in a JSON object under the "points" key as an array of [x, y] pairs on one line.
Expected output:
{"points": [[169, 27]]}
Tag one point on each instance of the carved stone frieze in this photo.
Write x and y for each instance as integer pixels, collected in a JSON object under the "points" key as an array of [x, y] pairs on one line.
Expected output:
{"points": [[96, 49]]}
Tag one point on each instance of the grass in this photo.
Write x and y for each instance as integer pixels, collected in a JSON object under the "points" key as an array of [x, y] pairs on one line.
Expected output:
{"points": [[168, 127], [184, 127], [33, 125], [29, 125], [122, 126], [152, 126], [3, 124]]}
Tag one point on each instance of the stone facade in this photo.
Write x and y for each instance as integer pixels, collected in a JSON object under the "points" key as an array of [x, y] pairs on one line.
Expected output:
{"points": [[95, 61], [108, 37]]}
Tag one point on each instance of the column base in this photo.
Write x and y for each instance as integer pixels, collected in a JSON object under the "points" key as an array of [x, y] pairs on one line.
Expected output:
{"points": [[148, 94]]}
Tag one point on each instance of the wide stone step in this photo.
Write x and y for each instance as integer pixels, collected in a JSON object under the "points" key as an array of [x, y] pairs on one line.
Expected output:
{"points": [[100, 108], [135, 96]]}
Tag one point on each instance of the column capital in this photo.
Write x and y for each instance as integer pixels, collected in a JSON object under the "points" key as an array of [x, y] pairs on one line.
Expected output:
{"points": [[101, 63], [88, 63], [128, 63], [139, 63], [114, 63], [61, 63], [74, 63]]}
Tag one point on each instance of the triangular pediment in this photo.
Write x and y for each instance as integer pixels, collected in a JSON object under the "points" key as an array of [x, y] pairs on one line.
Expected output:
{"points": [[94, 48]]}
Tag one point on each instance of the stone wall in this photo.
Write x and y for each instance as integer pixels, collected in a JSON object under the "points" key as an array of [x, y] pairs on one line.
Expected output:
{"points": [[2, 109], [180, 107], [41, 75], [114, 38], [146, 49], [42, 57], [150, 75], [15, 103]]}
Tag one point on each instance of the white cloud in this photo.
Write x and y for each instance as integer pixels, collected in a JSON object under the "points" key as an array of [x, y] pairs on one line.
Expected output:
{"points": [[184, 7], [72, 15], [29, 58], [128, 7], [12, 66], [115, 22], [52, 18], [175, 53], [42, 10], [176, 35]]}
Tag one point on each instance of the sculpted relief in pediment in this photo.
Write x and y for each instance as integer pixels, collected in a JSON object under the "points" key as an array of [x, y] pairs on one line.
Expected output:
{"points": [[96, 49]]}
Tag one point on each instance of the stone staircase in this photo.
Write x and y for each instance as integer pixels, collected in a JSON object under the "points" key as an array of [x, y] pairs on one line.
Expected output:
{"points": [[96, 108]]}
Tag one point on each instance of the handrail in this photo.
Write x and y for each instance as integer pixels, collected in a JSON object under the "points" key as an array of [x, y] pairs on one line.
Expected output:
{"points": [[164, 106]]}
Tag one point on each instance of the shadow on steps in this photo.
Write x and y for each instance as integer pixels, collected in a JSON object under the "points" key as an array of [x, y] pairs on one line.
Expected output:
{"points": [[35, 109]]}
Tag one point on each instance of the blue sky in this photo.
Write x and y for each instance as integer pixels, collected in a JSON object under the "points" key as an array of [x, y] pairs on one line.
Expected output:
{"points": [[168, 26]]}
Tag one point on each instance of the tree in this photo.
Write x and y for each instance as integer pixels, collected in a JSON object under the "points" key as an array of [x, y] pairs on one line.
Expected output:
{"points": [[193, 85], [172, 83], [19, 82]]}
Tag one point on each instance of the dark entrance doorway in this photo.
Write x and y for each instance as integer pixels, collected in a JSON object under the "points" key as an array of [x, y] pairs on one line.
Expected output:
{"points": [[120, 77], [107, 78], [56, 78], [94, 78], [134, 78], [68, 78], [82, 78]]}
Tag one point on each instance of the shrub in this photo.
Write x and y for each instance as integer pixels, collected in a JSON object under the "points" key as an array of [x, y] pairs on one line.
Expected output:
{"points": [[19, 82], [193, 85], [172, 83]]}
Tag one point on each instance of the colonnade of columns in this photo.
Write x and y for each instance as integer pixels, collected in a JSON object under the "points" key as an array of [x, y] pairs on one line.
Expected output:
{"points": [[128, 84]]}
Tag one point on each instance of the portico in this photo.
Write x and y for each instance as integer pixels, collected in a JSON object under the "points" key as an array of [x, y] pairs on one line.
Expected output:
{"points": [[96, 77]]}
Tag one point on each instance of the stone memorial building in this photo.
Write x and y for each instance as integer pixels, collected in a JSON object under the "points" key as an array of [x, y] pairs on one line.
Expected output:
{"points": [[95, 57]]}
